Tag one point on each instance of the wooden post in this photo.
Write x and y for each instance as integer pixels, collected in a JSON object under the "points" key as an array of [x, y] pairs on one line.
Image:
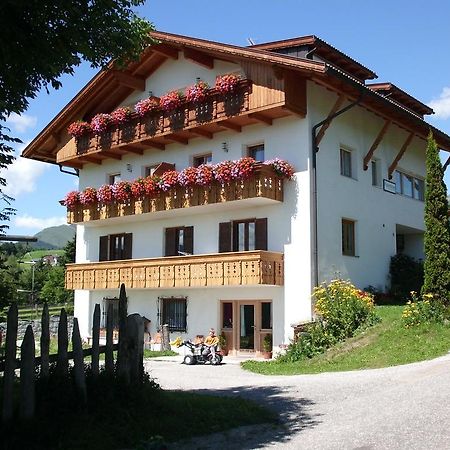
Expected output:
{"points": [[62, 363], [165, 337], [78, 362], [109, 354], [10, 362], [95, 341], [45, 341], [135, 338], [122, 354], [27, 365]]}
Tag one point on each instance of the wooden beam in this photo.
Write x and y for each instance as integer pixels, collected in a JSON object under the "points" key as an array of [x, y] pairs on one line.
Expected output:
{"points": [[203, 133], [112, 155], [376, 143], [154, 144], [178, 139], [90, 159], [261, 118], [444, 167], [230, 125], [165, 50], [199, 58], [132, 149], [399, 155], [128, 80], [278, 72], [338, 103]]}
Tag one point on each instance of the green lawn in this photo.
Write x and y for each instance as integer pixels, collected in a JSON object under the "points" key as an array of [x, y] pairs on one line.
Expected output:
{"points": [[38, 254], [388, 343]]}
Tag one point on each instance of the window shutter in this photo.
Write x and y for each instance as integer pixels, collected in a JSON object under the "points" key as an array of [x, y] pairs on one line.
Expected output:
{"points": [[171, 242], [189, 240], [128, 246], [261, 234], [103, 248], [224, 237]]}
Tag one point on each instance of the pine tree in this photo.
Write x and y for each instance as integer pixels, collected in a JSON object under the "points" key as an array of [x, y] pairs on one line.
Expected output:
{"points": [[437, 227]]}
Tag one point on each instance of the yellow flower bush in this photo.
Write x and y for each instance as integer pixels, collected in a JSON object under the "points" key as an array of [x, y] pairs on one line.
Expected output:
{"points": [[423, 309]]}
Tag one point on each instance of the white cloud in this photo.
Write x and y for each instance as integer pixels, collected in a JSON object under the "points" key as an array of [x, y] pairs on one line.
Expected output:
{"points": [[37, 223], [441, 105], [21, 123]]}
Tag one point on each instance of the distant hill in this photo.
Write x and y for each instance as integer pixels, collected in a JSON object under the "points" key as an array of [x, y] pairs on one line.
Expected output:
{"points": [[54, 237]]}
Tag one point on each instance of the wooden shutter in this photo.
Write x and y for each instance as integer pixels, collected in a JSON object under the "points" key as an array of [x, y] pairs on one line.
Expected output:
{"points": [[170, 242], [224, 237], [189, 240], [128, 246], [261, 234], [103, 248]]}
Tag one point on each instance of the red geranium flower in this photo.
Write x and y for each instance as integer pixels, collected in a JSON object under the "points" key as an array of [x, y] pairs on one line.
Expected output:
{"points": [[79, 129], [100, 123], [71, 200], [88, 196], [121, 115], [172, 100], [105, 194], [197, 93], [146, 106], [227, 83]]}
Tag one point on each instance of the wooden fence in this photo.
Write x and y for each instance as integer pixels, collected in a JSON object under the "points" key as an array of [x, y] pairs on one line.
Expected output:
{"points": [[130, 355]]}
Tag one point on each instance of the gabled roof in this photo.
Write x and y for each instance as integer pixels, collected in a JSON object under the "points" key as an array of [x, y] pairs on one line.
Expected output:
{"points": [[323, 50]]}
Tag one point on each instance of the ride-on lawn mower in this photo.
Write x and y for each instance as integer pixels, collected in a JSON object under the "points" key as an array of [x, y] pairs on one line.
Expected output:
{"points": [[214, 356]]}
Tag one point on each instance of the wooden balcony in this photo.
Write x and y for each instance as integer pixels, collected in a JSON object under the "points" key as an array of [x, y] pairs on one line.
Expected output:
{"points": [[220, 269], [264, 184], [249, 104]]}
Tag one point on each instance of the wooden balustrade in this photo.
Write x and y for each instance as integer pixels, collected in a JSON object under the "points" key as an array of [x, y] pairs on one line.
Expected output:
{"points": [[264, 183], [220, 269]]}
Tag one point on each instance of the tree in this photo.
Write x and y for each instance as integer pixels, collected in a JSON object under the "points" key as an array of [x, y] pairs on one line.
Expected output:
{"points": [[43, 40], [437, 228], [53, 291], [69, 252]]}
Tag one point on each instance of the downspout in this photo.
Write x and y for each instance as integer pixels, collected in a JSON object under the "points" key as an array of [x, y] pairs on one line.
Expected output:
{"points": [[62, 170], [315, 149]]}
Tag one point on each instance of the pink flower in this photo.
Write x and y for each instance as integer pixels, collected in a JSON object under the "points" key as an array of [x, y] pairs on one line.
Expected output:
{"points": [[146, 106], [172, 100], [138, 188], [187, 177], [105, 194], [205, 175], [168, 180], [281, 168], [88, 196], [121, 115], [151, 186], [71, 200], [222, 172], [243, 168], [100, 123], [227, 83], [79, 129], [197, 93], [122, 191]]}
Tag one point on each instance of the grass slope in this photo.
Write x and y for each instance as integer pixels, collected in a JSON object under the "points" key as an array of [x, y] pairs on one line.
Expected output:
{"points": [[388, 343]]}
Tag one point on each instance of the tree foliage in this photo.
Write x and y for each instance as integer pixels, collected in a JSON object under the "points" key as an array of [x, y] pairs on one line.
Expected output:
{"points": [[437, 228]]}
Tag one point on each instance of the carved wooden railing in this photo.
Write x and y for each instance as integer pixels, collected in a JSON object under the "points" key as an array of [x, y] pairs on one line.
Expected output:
{"points": [[264, 183], [220, 269], [216, 107]]}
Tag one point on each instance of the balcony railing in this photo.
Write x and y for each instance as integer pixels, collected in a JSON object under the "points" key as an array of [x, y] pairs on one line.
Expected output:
{"points": [[264, 183], [220, 269]]}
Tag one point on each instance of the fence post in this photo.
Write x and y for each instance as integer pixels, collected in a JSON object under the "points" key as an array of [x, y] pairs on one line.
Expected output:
{"points": [[122, 354], [109, 353], [27, 366], [95, 341], [45, 341], [10, 362], [62, 363], [135, 346], [165, 337], [78, 362]]}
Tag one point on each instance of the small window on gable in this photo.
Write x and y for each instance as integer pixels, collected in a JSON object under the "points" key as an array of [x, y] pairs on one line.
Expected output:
{"points": [[348, 237], [150, 170], [202, 159], [256, 152], [376, 172], [346, 163], [114, 178]]}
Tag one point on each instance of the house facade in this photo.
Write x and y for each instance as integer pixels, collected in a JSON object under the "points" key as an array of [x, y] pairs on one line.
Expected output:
{"points": [[242, 256]]}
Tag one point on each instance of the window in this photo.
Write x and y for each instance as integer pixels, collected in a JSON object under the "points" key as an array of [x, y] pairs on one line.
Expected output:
{"points": [[348, 237], [114, 178], [227, 314], [376, 172], [243, 235], [256, 152], [115, 247], [409, 186], [266, 315], [114, 303], [202, 159], [174, 313], [150, 170], [179, 241], [346, 163]]}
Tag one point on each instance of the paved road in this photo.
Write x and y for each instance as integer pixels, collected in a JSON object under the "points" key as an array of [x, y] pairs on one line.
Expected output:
{"points": [[404, 407]]}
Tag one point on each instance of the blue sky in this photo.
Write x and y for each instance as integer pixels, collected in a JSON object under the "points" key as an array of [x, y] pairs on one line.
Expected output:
{"points": [[404, 42]]}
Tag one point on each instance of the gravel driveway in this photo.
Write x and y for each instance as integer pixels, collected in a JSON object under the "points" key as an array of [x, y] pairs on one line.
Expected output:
{"points": [[403, 407]]}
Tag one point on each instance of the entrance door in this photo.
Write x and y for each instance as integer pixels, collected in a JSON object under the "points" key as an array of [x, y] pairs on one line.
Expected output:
{"points": [[247, 327]]}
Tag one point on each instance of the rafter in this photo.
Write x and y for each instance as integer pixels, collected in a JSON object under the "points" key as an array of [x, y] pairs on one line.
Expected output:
{"points": [[203, 133], [178, 139], [376, 143], [400, 154], [446, 164], [199, 58], [165, 50], [338, 103], [112, 155], [154, 144], [90, 159], [130, 148], [128, 80], [261, 118], [230, 125]]}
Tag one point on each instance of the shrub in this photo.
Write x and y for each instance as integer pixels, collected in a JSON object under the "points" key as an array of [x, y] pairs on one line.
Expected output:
{"points": [[425, 309], [406, 274]]}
